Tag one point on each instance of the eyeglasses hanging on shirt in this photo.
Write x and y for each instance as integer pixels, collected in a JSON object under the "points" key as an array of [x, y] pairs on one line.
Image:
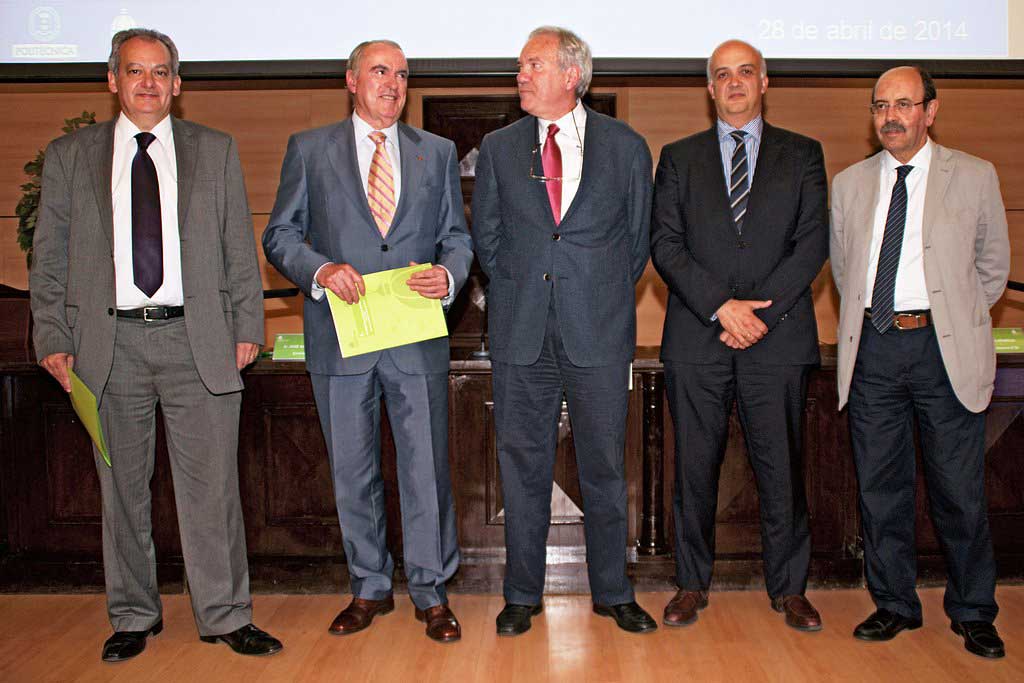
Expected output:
{"points": [[537, 168]]}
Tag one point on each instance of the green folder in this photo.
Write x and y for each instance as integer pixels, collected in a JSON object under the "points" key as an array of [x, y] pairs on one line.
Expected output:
{"points": [[388, 315], [84, 403], [1008, 339]]}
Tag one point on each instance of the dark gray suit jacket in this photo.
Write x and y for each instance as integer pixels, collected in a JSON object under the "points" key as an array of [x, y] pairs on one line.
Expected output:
{"points": [[72, 278], [321, 215], [589, 263], [705, 262]]}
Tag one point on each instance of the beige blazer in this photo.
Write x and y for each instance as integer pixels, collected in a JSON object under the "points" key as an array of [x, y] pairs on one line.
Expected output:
{"points": [[72, 276], [966, 264]]}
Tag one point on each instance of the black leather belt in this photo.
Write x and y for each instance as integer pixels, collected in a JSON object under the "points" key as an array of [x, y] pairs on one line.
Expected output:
{"points": [[150, 313], [907, 320]]}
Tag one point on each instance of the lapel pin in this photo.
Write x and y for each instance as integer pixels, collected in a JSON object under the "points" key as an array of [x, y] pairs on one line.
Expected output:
{"points": [[419, 158]]}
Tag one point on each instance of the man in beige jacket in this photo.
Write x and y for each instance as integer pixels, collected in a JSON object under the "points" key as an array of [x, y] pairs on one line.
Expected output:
{"points": [[920, 253]]}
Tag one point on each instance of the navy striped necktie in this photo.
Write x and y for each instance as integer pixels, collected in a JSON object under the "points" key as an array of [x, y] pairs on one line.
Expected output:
{"points": [[883, 296], [739, 180], [147, 227]]}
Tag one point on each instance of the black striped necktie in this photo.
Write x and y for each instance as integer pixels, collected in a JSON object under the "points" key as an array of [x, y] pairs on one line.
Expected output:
{"points": [[739, 180], [883, 296]]}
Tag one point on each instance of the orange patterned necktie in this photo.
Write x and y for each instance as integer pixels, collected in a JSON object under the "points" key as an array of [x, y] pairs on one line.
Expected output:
{"points": [[381, 185]]}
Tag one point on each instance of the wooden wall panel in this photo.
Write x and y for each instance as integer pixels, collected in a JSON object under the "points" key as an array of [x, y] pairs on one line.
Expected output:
{"points": [[974, 116]]}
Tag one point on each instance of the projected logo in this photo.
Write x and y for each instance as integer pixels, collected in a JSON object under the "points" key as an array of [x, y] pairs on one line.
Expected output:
{"points": [[122, 22], [44, 24], [44, 27]]}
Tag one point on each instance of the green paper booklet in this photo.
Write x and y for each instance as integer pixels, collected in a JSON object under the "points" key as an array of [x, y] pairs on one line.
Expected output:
{"points": [[84, 403], [1008, 339], [289, 347], [388, 315]]}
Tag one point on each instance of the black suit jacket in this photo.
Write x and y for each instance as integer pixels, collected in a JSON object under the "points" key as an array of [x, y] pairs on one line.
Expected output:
{"points": [[705, 261]]}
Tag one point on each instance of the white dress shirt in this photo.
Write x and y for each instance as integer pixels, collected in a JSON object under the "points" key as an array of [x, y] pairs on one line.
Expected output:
{"points": [[911, 290], [161, 151], [572, 130], [365, 148]]}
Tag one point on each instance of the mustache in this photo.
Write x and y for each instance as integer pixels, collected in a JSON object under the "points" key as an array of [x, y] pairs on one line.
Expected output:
{"points": [[894, 127]]}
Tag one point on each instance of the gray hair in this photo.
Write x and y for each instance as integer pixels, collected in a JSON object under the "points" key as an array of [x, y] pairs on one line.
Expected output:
{"points": [[357, 52], [760, 57], [122, 37], [572, 51]]}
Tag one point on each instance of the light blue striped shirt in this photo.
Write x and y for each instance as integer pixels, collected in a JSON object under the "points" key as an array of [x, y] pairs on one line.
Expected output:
{"points": [[728, 145]]}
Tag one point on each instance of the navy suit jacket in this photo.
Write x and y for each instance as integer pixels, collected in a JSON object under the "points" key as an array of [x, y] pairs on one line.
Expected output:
{"points": [[321, 215], [705, 262], [589, 263]]}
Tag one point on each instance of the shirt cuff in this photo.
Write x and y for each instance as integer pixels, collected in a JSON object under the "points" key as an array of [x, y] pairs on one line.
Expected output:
{"points": [[447, 300], [316, 292]]}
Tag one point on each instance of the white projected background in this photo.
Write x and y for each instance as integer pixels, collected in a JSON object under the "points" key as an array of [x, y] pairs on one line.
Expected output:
{"points": [[208, 30]]}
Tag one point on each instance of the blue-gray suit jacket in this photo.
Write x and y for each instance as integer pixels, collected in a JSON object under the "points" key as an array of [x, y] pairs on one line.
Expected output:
{"points": [[589, 263], [321, 215]]}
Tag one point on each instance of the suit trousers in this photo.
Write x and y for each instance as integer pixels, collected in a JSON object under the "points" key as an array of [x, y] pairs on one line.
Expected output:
{"points": [[153, 364], [899, 375], [527, 406], [770, 404], [417, 405]]}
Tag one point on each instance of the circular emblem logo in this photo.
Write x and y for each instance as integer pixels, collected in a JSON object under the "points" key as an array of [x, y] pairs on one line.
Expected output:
{"points": [[44, 24]]}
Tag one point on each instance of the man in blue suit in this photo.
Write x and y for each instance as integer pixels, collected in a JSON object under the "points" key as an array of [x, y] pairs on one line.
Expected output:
{"points": [[561, 212], [365, 195]]}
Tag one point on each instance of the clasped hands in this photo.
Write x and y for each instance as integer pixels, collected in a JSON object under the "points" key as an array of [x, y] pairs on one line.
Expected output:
{"points": [[346, 282], [741, 328]]}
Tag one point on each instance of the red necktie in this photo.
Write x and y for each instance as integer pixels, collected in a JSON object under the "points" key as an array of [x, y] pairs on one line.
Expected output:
{"points": [[551, 157]]}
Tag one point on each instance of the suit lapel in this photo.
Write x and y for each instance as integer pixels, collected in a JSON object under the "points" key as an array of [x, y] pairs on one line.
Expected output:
{"points": [[595, 158], [185, 159], [530, 164], [341, 154], [767, 159], [939, 175], [411, 153], [712, 178], [101, 162]]}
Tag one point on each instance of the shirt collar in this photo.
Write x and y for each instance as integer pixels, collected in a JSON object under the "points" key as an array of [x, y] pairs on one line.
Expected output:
{"points": [[577, 115], [363, 129], [126, 130], [752, 128], [921, 160]]}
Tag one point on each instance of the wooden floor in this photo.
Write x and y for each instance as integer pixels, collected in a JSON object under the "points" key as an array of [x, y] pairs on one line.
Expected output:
{"points": [[737, 639]]}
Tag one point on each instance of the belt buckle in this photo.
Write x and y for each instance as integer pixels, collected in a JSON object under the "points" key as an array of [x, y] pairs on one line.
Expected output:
{"points": [[145, 313], [897, 322]]}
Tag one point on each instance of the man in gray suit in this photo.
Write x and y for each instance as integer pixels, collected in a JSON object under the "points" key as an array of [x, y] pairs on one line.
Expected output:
{"points": [[361, 196], [920, 253], [561, 213], [145, 281]]}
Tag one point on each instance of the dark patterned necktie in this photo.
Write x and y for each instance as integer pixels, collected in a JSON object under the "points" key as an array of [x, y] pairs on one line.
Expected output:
{"points": [[739, 180], [147, 229], [551, 157], [883, 296]]}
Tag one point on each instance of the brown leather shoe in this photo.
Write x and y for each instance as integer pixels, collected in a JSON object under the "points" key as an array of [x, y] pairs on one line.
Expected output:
{"points": [[359, 614], [682, 609], [442, 625], [800, 613]]}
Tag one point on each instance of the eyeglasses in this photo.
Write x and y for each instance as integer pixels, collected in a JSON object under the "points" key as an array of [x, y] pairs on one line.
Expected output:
{"points": [[543, 178], [901, 106]]}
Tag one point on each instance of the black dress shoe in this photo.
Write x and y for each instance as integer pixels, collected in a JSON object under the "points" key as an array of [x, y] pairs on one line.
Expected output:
{"points": [[629, 616], [248, 640], [127, 644], [884, 625], [980, 638], [515, 619]]}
